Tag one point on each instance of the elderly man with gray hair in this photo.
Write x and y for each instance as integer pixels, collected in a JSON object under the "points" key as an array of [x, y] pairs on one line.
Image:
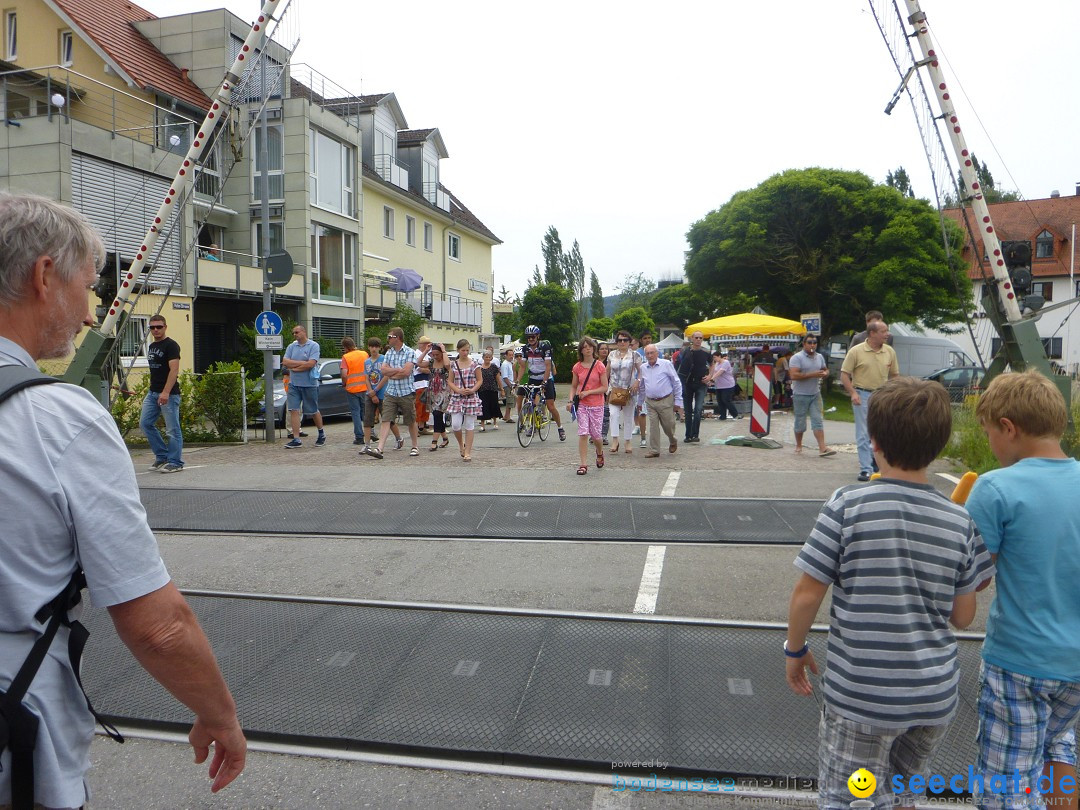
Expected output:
{"points": [[73, 518], [664, 398]]}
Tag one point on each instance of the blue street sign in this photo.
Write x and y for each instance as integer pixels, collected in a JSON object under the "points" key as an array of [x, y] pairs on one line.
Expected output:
{"points": [[268, 323]]}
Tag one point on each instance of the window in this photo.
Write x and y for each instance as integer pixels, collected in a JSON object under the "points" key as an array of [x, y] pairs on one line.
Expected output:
{"points": [[1044, 246], [388, 222], [133, 339], [331, 170], [207, 174], [1043, 288], [11, 36], [275, 142], [67, 43], [277, 239], [453, 246], [332, 264], [429, 241], [410, 231]]}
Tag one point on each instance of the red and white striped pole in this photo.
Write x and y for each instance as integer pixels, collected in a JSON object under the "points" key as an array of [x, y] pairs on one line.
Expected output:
{"points": [[760, 415]]}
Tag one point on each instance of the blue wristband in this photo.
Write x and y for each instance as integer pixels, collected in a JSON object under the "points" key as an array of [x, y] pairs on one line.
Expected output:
{"points": [[805, 649]]}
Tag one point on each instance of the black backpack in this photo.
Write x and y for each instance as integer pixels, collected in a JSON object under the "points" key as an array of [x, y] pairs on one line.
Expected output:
{"points": [[18, 725]]}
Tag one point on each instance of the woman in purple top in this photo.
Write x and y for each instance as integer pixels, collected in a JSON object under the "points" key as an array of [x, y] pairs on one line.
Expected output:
{"points": [[722, 378]]}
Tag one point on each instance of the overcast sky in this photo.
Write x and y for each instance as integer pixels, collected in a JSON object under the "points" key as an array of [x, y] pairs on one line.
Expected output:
{"points": [[621, 127]]}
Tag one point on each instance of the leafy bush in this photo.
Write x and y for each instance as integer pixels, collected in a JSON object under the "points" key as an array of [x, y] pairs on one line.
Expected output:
{"points": [[968, 444], [127, 410], [218, 398], [192, 421]]}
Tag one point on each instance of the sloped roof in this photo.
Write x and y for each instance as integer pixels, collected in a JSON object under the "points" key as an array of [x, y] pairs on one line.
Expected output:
{"points": [[1026, 219], [458, 212], [409, 137], [107, 24]]}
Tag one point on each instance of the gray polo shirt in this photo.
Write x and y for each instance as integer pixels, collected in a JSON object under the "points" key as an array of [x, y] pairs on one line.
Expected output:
{"points": [[807, 365], [68, 493]]}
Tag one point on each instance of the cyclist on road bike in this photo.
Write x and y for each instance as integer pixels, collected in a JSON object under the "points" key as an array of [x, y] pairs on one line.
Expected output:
{"points": [[535, 358]]}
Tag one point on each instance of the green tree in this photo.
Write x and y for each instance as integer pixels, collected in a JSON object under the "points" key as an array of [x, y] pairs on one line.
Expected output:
{"points": [[900, 181], [551, 248], [834, 242], [635, 291], [410, 321], [986, 182], [574, 279], [596, 296], [635, 321], [504, 296], [681, 305], [536, 279], [599, 328], [552, 308]]}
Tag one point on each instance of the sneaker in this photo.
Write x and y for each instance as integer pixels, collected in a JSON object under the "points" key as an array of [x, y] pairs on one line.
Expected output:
{"points": [[562, 435], [645, 444], [359, 441], [365, 450], [864, 476], [156, 466], [319, 442], [289, 435], [171, 468], [293, 444], [637, 430], [399, 443]]}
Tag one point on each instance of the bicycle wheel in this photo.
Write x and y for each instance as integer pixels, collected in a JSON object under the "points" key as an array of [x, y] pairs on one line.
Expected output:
{"points": [[526, 425], [544, 426]]}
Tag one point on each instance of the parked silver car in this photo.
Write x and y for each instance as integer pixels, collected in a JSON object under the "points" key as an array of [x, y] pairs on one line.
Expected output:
{"points": [[332, 400], [959, 381]]}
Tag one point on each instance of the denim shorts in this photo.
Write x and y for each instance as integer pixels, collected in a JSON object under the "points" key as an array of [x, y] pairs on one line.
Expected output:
{"points": [[306, 395]]}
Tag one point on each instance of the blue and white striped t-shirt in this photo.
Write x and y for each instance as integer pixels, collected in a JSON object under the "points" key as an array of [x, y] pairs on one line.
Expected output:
{"points": [[896, 554]]}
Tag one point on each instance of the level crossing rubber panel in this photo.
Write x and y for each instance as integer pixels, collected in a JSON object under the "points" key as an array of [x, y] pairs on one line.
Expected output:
{"points": [[505, 688], [527, 517]]}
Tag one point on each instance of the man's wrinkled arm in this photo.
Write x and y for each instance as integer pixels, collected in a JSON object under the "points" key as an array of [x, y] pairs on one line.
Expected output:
{"points": [[165, 637]]}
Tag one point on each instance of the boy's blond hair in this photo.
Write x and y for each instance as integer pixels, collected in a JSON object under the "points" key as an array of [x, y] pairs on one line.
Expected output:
{"points": [[1027, 399]]}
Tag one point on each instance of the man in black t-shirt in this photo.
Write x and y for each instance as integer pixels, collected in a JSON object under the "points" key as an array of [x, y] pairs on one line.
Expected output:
{"points": [[693, 369], [163, 399]]}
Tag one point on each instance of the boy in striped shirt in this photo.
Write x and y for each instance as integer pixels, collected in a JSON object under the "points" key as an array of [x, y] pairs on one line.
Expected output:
{"points": [[904, 562]]}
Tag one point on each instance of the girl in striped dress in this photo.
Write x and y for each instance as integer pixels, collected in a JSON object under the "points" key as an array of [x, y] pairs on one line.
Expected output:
{"points": [[465, 406]]}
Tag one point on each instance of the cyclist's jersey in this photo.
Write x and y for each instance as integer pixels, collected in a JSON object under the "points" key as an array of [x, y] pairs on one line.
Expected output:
{"points": [[536, 359]]}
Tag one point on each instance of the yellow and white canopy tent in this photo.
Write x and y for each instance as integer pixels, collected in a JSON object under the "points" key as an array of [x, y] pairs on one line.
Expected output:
{"points": [[749, 325], [749, 328]]}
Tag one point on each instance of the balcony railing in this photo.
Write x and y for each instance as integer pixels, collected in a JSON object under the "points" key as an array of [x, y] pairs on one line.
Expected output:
{"points": [[392, 170], [240, 273], [56, 91], [306, 82], [436, 196], [431, 306]]}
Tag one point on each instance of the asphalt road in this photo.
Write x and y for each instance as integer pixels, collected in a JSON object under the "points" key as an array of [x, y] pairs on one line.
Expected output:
{"points": [[724, 582]]}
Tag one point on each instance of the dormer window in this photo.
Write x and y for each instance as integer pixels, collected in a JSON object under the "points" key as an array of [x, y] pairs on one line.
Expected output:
{"points": [[1044, 245]]}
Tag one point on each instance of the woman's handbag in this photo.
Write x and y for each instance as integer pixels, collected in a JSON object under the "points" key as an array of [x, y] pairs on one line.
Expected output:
{"points": [[618, 396]]}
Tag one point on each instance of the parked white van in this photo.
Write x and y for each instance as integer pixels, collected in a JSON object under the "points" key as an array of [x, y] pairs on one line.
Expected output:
{"points": [[917, 355]]}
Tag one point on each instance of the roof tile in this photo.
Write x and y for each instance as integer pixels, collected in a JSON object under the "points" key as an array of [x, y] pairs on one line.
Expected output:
{"points": [[109, 24]]}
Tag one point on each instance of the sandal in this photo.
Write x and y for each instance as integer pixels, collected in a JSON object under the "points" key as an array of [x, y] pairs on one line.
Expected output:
{"points": [[466, 458], [582, 470], [599, 460], [434, 445], [615, 446], [445, 441], [415, 451]]}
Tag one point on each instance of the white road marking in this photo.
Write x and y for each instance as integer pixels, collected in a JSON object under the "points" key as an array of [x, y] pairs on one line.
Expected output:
{"points": [[952, 479], [672, 481], [649, 588]]}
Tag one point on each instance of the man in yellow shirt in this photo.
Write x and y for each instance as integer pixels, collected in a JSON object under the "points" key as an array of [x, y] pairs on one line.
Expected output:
{"points": [[867, 367]]}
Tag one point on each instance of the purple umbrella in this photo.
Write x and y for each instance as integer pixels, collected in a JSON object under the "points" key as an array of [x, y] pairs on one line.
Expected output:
{"points": [[407, 280]]}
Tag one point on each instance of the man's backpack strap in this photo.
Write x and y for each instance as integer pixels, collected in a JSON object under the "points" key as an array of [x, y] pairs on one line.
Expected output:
{"points": [[18, 725]]}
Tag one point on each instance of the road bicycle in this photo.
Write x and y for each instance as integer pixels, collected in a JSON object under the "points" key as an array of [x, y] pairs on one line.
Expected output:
{"points": [[535, 420]]}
